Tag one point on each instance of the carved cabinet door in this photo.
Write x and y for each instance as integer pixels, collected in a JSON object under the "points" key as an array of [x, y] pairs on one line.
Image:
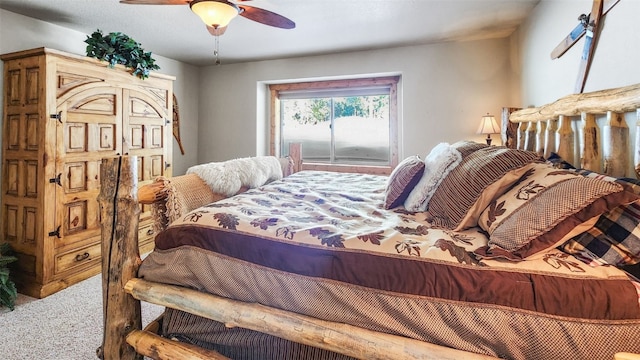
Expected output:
{"points": [[89, 129], [145, 125]]}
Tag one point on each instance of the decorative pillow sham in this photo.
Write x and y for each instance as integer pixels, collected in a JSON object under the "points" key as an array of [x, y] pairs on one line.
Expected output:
{"points": [[464, 186], [438, 163], [402, 180], [615, 237], [544, 209]]}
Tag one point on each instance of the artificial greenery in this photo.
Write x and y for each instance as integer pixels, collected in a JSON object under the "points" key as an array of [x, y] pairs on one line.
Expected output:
{"points": [[8, 292], [118, 48]]}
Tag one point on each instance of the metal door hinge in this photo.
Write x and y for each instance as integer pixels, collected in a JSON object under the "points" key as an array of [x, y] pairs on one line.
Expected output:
{"points": [[56, 180], [167, 165], [57, 116], [56, 232]]}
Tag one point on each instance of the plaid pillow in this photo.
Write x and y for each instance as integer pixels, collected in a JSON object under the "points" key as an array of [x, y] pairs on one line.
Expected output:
{"points": [[615, 238]]}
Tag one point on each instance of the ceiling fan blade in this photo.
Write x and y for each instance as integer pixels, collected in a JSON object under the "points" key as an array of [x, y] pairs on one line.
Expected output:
{"points": [[155, 2], [216, 31], [266, 17]]}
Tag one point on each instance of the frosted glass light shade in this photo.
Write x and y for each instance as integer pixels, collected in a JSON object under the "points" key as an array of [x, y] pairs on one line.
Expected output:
{"points": [[214, 13]]}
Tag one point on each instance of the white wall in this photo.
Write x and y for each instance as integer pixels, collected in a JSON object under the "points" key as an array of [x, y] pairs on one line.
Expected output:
{"points": [[446, 88], [616, 59], [19, 32]]}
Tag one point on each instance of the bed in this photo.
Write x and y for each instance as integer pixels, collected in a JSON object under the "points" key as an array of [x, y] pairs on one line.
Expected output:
{"points": [[471, 251]]}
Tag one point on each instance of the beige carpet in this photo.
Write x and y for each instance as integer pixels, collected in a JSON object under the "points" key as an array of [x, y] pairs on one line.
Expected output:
{"points": [[64, 326]]}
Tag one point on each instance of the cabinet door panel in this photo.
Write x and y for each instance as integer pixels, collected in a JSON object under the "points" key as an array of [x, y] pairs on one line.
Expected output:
{"points": [[89, 130], [145, 126]]}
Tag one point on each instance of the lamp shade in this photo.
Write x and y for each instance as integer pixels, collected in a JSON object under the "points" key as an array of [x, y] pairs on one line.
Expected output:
{"points": [[488, 125], [214, 13]]}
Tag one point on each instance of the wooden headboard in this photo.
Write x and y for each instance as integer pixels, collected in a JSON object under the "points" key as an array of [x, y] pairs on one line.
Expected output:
{"points": [[570, 127]]}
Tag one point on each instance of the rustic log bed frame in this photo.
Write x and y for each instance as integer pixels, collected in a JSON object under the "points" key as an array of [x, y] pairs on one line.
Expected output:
{"points": [[533, 129]]}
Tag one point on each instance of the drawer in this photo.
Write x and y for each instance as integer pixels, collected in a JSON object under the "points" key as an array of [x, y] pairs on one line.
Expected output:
{"points": [[145, 232], [146, 237], [83, 256]]}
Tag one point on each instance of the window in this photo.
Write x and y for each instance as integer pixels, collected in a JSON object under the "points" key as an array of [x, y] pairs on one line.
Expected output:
{"points": [[343, 125]]}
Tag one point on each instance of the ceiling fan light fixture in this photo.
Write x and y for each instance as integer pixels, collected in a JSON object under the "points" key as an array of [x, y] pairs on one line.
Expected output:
{"points": [[214, 13]]}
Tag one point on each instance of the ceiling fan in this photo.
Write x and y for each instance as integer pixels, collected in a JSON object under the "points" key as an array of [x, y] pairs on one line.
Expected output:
{"points": [[217, 14]]}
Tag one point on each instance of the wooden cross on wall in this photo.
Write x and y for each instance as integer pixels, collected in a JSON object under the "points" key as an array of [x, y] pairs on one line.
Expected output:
{"points": [[590, 26]]}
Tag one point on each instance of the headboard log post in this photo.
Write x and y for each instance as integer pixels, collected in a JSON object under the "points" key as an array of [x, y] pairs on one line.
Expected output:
{"points": [[591, 158], [566, 139], [522, 135], [530, 137], [540, 137], [119, 214], [636, 153], [550, 138], [615, 143], [508, 129]]}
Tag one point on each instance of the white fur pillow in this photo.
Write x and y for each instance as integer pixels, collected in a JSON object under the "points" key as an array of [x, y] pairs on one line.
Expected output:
{"points": [[438, 164], [230, 176]]}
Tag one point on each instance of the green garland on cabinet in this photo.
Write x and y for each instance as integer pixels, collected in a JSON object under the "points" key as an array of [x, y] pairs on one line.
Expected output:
{"points": [[118, 48], [8, 292]]}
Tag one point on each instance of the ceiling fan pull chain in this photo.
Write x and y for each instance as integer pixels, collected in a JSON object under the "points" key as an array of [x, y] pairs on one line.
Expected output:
{"points": [[216, 51]]}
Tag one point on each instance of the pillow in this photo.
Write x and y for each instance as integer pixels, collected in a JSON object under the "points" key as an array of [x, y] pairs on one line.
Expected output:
{"points": [[230, 176], [466, 147], [183, 194], [440, 161], [459, 191], [615, 237], [402, 180], [545, 208]]}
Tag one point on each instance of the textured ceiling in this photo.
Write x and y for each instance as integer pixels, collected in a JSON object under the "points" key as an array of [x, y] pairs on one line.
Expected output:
{"points": [[322, 26]]}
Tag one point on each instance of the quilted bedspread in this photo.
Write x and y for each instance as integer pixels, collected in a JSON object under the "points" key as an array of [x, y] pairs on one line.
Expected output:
{"points": [[321, 244]]}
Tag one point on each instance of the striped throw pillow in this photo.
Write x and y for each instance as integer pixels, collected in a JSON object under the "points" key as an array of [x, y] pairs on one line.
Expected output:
{"points": [[402, 180], [464, 185]]}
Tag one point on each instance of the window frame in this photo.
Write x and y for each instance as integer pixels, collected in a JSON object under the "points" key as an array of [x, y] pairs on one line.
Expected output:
{"points": [[389, 81]]}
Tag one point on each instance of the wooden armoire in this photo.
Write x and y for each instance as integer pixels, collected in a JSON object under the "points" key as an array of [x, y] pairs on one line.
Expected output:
{"points": [[62, 114]]}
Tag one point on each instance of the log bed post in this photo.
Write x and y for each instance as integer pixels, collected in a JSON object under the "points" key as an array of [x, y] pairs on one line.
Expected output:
{"points": [[636, 149], [119, 216], [540, 137], [522, 134], [615, 143], [591, 158], [550, 138], [530, 136], [566, 140]]}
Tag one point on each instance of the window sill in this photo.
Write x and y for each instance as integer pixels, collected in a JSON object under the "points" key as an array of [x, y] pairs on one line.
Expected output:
{"points": [[364, 169]]}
